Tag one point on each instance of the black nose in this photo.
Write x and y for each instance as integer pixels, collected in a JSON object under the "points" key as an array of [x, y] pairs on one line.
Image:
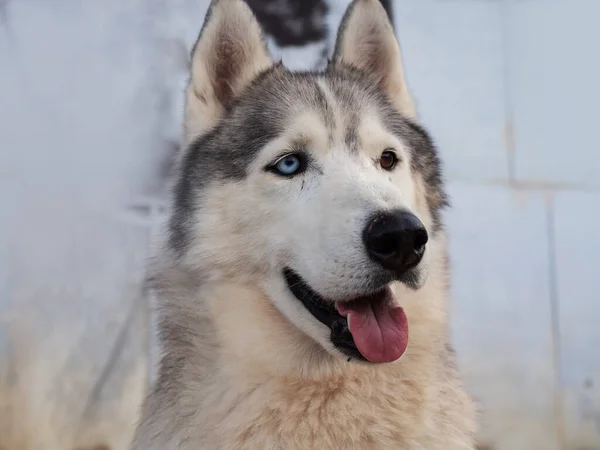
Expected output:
{"points": [[395, 240]]}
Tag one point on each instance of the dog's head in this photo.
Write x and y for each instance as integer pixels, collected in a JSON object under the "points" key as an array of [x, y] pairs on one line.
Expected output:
{"points": [[319, 189]]}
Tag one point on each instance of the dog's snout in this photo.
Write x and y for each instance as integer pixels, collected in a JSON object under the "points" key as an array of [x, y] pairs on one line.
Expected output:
{"points": [[395, 240]]}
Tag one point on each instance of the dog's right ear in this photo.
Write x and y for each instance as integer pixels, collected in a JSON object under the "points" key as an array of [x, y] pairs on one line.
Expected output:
{"points": [[230, 52]]}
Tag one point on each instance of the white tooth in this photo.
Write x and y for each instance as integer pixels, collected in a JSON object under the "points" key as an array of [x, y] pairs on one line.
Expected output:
{"points": [[348, 320]]}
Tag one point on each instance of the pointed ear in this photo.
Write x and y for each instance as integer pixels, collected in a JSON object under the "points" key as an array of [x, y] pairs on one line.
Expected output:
{"points": [[230, 52], [366, 40]]}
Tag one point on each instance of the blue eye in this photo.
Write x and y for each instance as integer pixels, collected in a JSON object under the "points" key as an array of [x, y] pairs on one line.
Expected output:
{"points": [[289, 165]]}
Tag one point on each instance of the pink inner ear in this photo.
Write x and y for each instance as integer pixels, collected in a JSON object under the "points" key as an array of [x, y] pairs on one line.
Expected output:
{"points": [[376, 53], [226, 66], [369, 48]]}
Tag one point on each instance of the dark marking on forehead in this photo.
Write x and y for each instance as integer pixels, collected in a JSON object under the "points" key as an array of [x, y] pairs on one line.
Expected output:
{"points": [[352, 92], [350, 87], [351, 136], [325, 110]]}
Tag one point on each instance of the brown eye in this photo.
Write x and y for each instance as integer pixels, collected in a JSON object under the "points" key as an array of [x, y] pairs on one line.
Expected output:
{"points": [[388, 160]]}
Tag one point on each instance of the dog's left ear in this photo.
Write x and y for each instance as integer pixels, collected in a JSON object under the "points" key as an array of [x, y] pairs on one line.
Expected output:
{"points": [[366, 40], [230, 52]]}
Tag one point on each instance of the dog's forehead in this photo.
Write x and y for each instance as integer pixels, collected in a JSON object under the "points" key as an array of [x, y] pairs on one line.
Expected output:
{"points": [[336, 103]]}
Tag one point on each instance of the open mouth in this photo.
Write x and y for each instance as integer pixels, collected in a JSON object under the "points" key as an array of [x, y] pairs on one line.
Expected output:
{"points": [[370, 328]]}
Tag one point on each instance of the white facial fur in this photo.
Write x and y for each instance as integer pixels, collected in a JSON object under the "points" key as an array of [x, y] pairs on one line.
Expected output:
{"points": [[250, 230]]}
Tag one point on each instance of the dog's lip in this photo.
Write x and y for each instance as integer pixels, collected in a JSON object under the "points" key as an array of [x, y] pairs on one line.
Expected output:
{"points": [[303, 292], [380, 295], [331, 313]]}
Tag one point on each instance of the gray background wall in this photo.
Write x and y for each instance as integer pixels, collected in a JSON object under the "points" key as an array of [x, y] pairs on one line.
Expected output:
{"points": [[89, 110]]}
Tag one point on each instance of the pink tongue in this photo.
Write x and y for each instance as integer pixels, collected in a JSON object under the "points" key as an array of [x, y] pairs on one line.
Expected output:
{"points": [[380, 330]]}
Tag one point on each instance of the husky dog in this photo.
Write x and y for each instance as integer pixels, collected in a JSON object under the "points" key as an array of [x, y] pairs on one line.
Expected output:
{"points": [[303, 280]]}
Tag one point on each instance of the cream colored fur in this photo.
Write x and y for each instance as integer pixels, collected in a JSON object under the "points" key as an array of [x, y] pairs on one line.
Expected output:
{"points": [[245, 366]]}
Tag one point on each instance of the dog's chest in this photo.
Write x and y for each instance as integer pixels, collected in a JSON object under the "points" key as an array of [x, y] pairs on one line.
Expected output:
{"points": [[333, 416]]}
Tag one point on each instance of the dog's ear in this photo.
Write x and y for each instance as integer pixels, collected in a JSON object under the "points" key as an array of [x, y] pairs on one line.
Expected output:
{"points": [[366, 40], [230, 52]]}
